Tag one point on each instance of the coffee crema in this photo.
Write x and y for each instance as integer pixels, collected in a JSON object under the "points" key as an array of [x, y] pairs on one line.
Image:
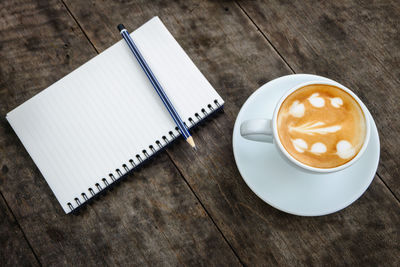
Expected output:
{"points": [[321, 126]]}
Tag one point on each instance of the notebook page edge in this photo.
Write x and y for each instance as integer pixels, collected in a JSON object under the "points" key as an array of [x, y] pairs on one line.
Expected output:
{"points": [[25, 146]]}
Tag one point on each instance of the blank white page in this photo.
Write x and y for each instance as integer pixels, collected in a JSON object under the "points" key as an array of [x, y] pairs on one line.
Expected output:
{"points": [[102, 115]]}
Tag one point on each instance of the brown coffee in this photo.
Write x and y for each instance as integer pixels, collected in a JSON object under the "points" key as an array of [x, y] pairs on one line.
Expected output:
{"points": [[321, 126]]}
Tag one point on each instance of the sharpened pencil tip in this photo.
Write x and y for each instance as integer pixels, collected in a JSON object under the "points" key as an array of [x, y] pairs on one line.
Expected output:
{"points": [[191, 142]]}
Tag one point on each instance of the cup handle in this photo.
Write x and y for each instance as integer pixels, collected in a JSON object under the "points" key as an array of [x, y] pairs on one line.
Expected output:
{"points": [[257, 130]]}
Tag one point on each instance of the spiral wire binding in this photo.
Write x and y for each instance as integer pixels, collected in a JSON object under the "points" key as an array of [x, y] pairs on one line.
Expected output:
{"points": [[128, 167]]}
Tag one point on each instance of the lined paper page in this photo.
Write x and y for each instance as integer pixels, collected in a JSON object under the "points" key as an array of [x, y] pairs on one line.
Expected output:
{"points": [[87, 125]]}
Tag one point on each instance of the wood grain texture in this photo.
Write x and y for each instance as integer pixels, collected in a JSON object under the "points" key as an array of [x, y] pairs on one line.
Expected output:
{"points": [[237, 59], [152, 219], [14, 249], [353, 42]]}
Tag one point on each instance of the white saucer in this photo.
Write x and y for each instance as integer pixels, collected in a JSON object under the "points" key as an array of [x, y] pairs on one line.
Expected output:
{"points": [[284, 187]]}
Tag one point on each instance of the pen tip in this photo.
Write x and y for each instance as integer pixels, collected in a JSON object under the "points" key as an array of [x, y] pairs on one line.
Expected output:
{"points": [[120, 27]]}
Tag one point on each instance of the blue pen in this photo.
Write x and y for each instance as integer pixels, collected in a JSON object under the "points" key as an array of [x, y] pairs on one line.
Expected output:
{"points": [[157, 86]]}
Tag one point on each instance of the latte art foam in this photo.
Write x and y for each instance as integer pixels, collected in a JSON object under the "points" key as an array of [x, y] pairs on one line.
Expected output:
{"points": [[321, 126]]}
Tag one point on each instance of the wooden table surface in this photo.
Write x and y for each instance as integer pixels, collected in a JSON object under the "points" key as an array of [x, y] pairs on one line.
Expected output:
{"points": [[195, 209]]}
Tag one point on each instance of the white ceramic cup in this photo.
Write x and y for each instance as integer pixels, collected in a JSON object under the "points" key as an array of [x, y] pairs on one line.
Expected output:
{"points": [[265, 130]]}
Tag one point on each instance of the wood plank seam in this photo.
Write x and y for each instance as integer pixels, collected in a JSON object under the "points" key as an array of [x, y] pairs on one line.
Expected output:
{"points": [[79, 25], [265, 37], [20, 228], [204, 208], [263, 34], [280, 55], [394, 195]]}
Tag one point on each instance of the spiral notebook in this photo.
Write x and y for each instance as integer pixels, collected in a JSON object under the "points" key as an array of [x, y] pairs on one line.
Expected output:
{"points": [[104, 119]]}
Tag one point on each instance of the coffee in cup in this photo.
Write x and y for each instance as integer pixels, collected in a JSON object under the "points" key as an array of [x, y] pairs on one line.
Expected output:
{"points": [[317, 126], [321, 126]]}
